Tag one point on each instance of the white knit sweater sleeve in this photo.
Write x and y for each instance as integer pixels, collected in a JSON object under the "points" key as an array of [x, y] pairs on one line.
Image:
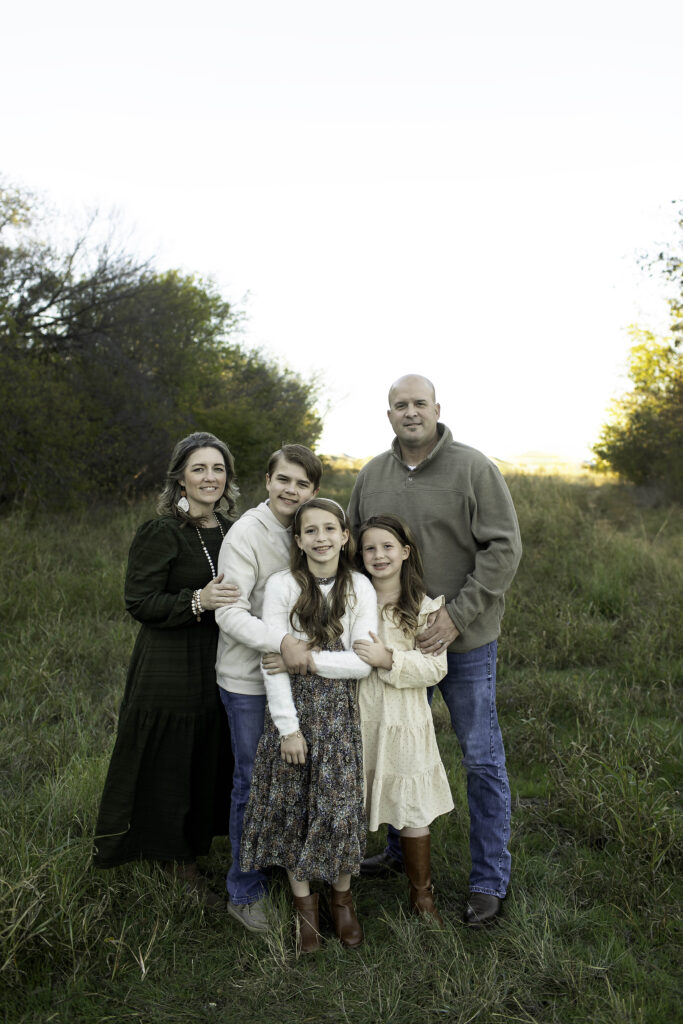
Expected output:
{"points": [[359, 618], [278, 601]]}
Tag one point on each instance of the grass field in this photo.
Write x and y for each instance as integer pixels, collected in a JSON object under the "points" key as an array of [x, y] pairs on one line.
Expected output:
{"points": [[590, 667]]}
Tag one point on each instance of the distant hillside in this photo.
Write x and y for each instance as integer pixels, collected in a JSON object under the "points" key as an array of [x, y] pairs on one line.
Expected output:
{"points": [[543, 462], [528, 462], [340, 462]]}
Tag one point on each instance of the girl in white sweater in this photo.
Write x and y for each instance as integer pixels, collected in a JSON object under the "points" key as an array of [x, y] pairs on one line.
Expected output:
{"points": [[306, 808], [405, 780]]}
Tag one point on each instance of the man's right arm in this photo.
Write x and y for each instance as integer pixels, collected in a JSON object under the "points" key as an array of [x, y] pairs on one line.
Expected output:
{"points": [[238, 563], [240, 566]]}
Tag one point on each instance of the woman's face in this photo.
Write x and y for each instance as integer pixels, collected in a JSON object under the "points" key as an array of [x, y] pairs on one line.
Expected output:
{"points": [[321, 538], [204, 479]]}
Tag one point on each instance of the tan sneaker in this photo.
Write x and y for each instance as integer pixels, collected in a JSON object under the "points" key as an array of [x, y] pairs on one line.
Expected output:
{"points": [[251, 915]]}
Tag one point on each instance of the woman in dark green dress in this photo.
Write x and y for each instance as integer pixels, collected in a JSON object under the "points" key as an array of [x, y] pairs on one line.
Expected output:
{"points": [[166, 793]]}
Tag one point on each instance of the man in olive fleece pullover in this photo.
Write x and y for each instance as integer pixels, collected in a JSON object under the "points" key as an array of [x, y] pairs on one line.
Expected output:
{"points": [[458, 506]]}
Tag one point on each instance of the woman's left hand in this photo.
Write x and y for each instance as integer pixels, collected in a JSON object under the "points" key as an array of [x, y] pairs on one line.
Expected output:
{"points": [[373, 652], [273, 663], [217, 594]]}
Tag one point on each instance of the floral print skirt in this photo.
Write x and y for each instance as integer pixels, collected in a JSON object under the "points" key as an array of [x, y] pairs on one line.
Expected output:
{"points": [[310, 818]]}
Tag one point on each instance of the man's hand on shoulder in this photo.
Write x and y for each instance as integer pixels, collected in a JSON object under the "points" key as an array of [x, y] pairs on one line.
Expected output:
{"points": [[439, 633], [297, 656]]}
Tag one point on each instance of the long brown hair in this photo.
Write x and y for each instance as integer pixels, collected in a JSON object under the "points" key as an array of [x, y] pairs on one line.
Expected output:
{"points": [[317, 616], [406, 611]]}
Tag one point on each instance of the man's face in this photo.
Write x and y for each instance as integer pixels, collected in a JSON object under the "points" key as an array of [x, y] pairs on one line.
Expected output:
{"points": [[413, 413], [288, 487]]}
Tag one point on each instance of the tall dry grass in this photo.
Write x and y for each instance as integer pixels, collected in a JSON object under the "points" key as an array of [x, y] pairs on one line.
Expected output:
{"points": [[589, 691]]}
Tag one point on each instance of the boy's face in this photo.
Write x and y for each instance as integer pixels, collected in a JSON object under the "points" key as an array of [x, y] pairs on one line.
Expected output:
{"points": [[288, 487]]}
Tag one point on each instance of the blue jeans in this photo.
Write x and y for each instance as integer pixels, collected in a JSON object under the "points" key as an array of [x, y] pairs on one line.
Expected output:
{"points": [[245, 714], [469, 690]]}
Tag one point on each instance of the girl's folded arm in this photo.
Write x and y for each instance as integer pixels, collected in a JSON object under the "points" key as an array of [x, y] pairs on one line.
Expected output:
{"points": [[413, 669], [340, 665], [363, 615]]}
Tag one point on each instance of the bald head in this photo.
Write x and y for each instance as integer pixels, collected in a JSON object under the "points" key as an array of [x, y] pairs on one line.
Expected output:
{"points": [[408, 381], [414, 415]]}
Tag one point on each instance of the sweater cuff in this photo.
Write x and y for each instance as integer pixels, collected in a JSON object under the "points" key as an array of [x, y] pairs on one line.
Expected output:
{"points": [[280, 702], [455, 618], [284, 725]]}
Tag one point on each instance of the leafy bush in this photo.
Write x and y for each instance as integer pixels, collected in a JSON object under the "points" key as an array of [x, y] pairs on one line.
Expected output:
{"points": [[105, 363], [644, 439]]}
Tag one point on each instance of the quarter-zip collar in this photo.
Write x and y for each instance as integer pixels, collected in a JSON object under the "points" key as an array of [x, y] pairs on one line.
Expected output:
{"points": [[445, 438]]}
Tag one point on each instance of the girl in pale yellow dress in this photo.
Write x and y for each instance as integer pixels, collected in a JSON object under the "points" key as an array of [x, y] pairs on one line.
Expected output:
{"points": [[405, 780]]}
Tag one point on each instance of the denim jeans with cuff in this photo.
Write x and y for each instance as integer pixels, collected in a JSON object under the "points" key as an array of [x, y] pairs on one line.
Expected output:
{"points": [[245, 713]]}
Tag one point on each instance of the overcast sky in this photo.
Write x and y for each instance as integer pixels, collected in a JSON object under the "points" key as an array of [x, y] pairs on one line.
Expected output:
{"points": [[455, 189]]}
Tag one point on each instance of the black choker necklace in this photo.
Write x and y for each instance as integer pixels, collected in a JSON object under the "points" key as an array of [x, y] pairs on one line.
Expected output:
{"points": [[322, 580]]}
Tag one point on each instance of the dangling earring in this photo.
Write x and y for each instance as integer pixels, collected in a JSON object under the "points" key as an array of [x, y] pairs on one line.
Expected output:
{"points": [[183, 503]]}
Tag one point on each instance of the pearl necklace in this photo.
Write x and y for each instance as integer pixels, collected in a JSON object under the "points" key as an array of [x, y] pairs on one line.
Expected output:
{"points": [[201, 541]]}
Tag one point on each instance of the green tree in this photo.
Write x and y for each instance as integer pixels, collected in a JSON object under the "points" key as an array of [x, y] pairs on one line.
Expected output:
{"points": [[105, 362], [259, 406], [643, 440]]}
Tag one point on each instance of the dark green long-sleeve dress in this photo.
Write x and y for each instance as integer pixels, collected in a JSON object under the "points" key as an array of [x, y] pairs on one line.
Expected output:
{"points": [[167, 792]]}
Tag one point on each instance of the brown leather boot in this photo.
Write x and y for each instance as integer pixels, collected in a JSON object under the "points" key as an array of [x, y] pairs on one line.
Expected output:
{"points": [[346, 924], [307, 924], [416, 857]]}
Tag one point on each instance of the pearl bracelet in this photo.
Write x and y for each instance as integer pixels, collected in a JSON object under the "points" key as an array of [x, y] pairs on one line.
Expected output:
{"points": [[298, 734]]}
